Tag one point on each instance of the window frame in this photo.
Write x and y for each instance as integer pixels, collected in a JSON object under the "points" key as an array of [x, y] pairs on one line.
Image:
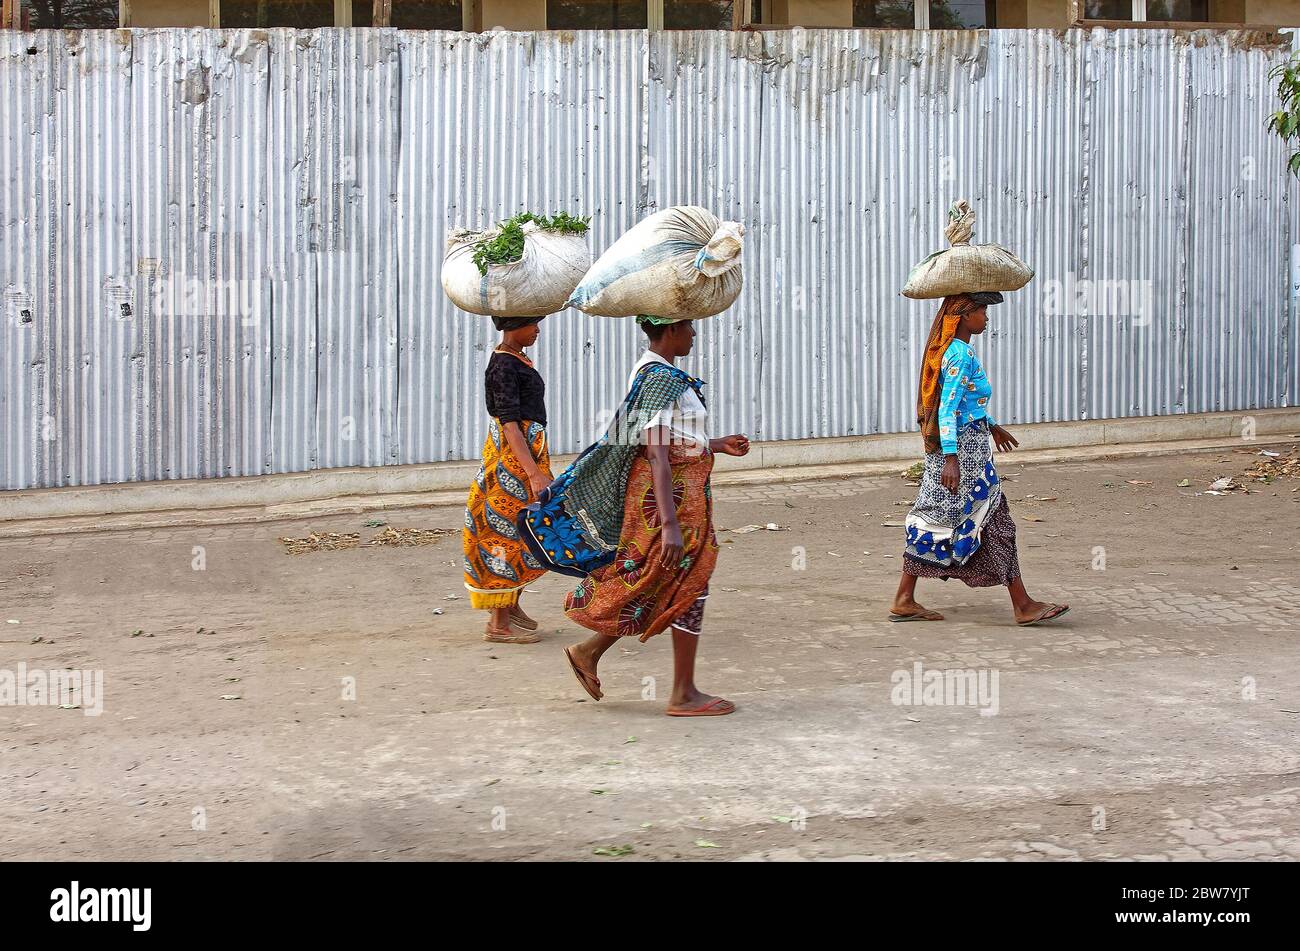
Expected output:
{"points": [[921, 16], [1138, 15], [741, 13], [381, 15]]}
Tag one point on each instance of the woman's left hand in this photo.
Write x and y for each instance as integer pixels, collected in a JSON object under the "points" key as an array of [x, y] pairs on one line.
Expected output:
{"points": [[736, 445], [1003, 439]]}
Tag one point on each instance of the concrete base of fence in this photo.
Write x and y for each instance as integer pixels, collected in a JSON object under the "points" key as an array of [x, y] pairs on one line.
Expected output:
{"points": [[339, 491]]}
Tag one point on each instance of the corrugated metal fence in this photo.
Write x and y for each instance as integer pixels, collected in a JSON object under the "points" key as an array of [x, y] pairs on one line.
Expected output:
{"points": [[220, 249]]}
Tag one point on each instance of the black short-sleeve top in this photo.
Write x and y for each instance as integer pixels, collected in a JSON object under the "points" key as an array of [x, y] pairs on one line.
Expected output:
{"points": [[515, 390]]}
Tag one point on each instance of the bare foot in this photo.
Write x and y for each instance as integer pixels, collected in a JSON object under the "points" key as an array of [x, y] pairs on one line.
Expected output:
{"points": [[1036, 612], [909, 610], [696, 704]]}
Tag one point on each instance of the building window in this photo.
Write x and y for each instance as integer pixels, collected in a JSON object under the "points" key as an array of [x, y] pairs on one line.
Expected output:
{"points": [[884, 14], [1142, 11], [424, 15], [70, 14], [1108, 10], [596, 14], [1182, 11], [961, 15], [300, 14], [932, 15], [697, 14]]}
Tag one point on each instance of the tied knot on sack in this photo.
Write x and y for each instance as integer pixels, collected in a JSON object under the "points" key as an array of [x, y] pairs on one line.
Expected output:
{"points": [[961, 223], [722, 253]]}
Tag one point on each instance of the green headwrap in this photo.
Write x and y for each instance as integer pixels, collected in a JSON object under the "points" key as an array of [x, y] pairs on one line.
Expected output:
{"points": [[653, 321]]}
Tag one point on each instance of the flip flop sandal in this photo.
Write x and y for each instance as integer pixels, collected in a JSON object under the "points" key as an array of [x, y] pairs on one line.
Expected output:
{"points": [[584, 678], [924, 616], [1047, 615], [523, 621], [510, 636], [711, 709]]}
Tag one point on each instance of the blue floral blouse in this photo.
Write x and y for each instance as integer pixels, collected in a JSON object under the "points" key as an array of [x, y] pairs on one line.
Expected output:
{"points": [[965, 394]]}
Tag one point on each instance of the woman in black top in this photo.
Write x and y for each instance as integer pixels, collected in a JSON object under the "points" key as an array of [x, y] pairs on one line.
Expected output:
{"points": [[516, 466]]}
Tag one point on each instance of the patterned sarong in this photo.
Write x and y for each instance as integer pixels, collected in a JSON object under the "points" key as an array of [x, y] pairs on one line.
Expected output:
{"points": [[633, 595], [942, 528], [576, 523], [498, 565]]}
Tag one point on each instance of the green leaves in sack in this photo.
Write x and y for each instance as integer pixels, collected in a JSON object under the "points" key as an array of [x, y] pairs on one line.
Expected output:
{"points": [[1285, 122], [507, 245]]}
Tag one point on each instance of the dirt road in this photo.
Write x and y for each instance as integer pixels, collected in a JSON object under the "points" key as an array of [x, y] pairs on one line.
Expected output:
{"points": [[1159, 720]]}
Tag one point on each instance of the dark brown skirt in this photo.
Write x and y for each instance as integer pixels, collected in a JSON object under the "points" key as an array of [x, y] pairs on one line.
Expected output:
{"points": [[995, 563]]}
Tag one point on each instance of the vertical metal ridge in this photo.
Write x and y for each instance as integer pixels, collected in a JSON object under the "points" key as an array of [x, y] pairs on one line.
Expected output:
{"points": [[320, 171]]}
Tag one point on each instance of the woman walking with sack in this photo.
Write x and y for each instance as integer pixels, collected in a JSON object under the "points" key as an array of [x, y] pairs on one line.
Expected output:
{"points": [[960, 525], [516, 468], [633, 517]]}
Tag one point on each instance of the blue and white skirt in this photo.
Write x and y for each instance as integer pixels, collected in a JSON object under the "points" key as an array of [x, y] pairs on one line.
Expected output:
{"points": [[944, 529]]}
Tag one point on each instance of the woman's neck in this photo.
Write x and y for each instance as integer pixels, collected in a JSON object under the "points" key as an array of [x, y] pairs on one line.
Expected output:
{"points": [[670, 357]]}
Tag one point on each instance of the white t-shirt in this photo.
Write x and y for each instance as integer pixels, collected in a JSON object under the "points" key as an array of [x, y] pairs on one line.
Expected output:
{"points": [[686, 419]]}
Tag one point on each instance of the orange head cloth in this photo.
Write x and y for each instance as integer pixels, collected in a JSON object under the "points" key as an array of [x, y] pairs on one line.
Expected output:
{"points": [[942, 331]]}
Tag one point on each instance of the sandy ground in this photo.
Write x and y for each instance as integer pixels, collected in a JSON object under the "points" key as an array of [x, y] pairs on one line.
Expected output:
{"points": [[1158, 721]]}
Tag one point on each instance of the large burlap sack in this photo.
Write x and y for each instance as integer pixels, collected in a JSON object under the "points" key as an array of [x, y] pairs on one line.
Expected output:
{"points": [[682, 263], [966, 268], [536, 285]]}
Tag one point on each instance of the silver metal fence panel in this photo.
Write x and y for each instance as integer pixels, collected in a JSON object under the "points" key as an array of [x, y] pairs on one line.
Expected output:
{"points": [[220, 250]]}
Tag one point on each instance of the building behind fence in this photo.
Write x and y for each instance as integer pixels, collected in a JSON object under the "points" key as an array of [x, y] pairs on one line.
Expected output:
{"points": [[221, 249]]}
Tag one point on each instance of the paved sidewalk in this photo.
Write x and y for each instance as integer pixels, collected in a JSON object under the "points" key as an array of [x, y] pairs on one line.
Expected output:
{"points": [[1159, 720]]}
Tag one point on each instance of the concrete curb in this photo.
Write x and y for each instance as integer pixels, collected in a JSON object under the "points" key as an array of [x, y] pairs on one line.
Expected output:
{"points": [[343, 491]]}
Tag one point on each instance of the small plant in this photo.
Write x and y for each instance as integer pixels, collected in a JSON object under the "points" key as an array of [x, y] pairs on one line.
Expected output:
{"points": [[1286, 121], [507, 245]]}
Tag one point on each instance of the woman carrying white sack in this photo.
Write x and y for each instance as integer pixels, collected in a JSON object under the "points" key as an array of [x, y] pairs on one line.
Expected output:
{"points": [[516, 273], [632, 517], [960, 525]]}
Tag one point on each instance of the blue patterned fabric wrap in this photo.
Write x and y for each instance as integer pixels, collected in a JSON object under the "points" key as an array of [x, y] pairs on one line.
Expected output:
{"points": [[943, 528], [573, 528], [964, 396]]}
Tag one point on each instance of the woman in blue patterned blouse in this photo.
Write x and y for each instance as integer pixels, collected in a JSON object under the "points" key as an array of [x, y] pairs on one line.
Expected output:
{"points": [[960, 525]]}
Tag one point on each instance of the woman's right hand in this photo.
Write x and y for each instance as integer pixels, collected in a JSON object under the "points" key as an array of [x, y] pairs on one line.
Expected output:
{"points": [[951, 476], [673, 545], [537, 482]]}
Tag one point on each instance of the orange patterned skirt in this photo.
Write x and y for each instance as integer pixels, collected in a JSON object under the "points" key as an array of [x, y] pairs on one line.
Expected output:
{"points": [[634, 596], [498, 565]]}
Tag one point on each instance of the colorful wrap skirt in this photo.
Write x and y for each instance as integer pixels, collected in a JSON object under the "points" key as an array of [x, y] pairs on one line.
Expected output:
{"points": [[634, 595], [969, 535], [498, 565]]}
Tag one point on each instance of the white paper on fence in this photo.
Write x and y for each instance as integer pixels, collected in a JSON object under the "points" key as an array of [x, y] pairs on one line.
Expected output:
{"points": [[536, 285], [681, 263]]}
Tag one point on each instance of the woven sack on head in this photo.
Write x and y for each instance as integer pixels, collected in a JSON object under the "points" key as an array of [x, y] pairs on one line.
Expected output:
{"points": [[966, 268]]}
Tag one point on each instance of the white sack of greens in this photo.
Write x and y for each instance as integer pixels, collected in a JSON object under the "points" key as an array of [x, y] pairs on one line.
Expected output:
{"points": [[526, 266]]}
